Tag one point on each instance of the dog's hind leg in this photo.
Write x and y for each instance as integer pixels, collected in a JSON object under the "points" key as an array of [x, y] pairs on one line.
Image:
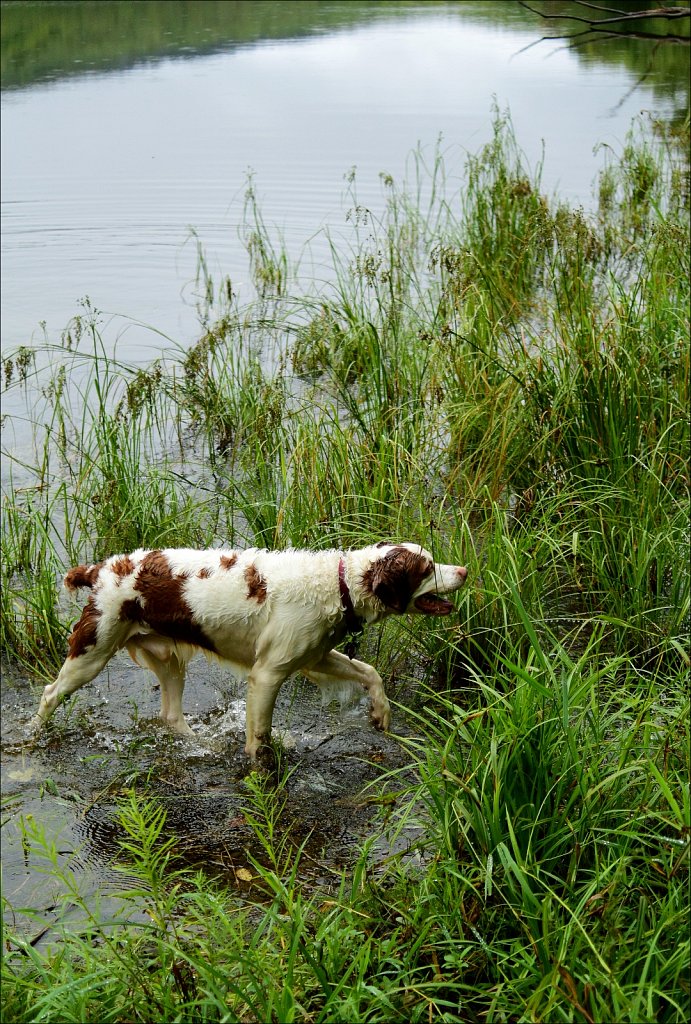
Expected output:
{"points": [[75, 673], [92, 643], [160, 658]]}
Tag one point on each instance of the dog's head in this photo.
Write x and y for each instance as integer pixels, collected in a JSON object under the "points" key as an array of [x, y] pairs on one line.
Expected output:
{"points": [[406, 579]]}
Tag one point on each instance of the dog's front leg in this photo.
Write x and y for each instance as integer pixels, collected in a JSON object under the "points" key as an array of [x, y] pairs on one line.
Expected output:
{"points": [[338, 667], [263, 685]]}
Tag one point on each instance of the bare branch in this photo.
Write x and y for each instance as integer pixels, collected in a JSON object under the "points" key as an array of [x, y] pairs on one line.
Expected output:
{"points": [[668, 13], [620, 17]]}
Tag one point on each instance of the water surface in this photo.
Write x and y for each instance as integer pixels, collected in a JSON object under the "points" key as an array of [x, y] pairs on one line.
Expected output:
{"points": [[126, 125]]}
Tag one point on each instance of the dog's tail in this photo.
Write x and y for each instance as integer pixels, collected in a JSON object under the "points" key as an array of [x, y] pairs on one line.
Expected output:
{"points": [[82, 576]]}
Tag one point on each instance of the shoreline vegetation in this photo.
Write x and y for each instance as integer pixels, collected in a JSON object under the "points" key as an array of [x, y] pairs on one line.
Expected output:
{"points": [[505, 379]]}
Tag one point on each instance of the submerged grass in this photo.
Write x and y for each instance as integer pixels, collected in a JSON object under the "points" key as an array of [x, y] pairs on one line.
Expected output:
{"points": [[505, 380]]}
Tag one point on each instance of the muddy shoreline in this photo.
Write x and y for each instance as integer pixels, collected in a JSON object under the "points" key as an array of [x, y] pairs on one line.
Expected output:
{"points": [[109, 739]]}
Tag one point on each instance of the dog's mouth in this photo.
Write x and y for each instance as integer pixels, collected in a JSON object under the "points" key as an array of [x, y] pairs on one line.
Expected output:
{"points": [[432, 604]]}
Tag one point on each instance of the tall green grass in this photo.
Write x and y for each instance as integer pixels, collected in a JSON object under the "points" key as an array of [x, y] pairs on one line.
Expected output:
{"points": [[506, 380], [558, 840]]}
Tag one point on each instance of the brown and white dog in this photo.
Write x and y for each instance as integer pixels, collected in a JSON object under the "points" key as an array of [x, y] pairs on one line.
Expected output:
{"points": [[267, 614]]}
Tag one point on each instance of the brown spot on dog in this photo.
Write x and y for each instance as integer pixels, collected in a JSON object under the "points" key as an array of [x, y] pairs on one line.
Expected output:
{"points": [[394, 578], [122, 567], [161, 603], [256, 584], [82, 576], [204, 573], [84, 631], [228, 561], [131, 610]]}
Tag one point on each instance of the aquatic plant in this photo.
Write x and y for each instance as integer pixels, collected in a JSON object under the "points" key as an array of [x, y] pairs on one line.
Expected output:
{"points": [[505, 379]]}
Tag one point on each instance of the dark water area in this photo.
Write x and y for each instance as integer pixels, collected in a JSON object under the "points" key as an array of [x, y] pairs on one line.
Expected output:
{"points": [[110, 740], [48, 42]]}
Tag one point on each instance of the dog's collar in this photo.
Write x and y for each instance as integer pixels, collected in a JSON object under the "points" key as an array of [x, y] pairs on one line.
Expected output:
{"points": [[353, 623]]}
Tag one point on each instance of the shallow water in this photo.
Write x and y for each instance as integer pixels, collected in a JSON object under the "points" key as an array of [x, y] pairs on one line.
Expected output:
{"points": [[109, 738]]}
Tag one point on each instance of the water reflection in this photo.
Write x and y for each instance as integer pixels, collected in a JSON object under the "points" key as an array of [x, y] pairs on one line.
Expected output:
{"points": [[46, 42]]}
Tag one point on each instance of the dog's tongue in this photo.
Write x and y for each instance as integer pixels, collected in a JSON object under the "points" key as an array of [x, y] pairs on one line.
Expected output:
{"points": [[431, 604]]}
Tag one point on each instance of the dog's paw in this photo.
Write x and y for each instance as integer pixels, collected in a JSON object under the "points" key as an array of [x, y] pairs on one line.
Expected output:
{"points": [[179, 727], [265, 759], [261, 753], [32, 730], [381, 715]]}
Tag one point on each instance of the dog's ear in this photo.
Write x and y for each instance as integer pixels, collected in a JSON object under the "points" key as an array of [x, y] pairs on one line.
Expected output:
{"points": [[391, 594], [394, 578]]}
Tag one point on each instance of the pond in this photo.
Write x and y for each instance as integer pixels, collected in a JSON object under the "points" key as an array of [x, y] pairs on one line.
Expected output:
{"points": [[131, 132], [126, 126]]}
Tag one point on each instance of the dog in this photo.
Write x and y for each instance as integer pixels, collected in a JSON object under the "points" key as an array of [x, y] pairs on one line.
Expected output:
{"points": [[266, 614]]}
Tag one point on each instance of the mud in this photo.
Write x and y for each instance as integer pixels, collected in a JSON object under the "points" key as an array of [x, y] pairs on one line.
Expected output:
{"points": [[108, 739]]}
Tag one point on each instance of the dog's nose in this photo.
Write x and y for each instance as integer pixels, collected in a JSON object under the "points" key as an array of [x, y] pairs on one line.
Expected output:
{"points": [[462, 571]]}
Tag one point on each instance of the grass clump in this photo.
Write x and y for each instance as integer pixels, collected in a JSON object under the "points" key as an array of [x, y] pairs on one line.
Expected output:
{"points": [[558, 886], [504, 379]]}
